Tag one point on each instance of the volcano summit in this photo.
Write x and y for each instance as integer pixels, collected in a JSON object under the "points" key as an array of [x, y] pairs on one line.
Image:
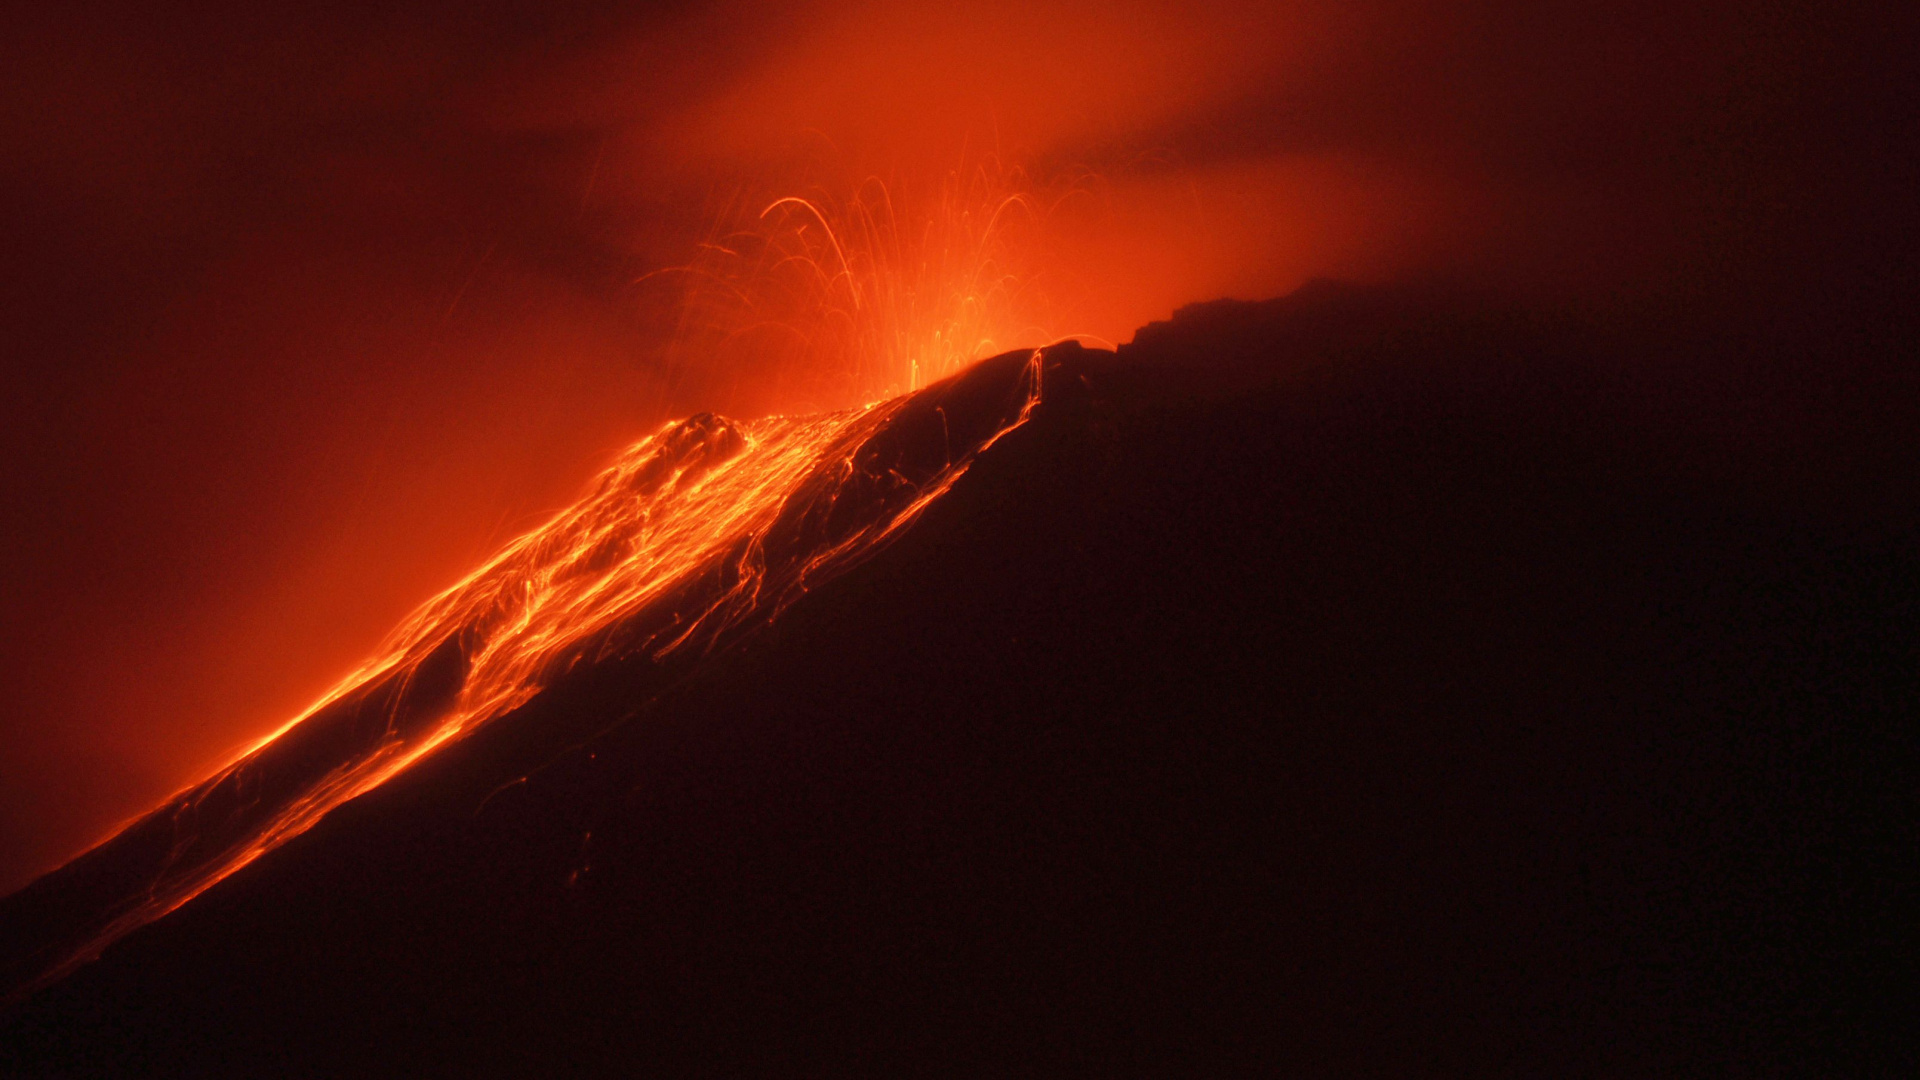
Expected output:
{"points": [[1360, 681]]}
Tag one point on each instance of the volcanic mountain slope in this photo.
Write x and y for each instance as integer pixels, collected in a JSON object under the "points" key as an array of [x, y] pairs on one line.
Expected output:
{"points": [[1347, 683], [702, 531]]}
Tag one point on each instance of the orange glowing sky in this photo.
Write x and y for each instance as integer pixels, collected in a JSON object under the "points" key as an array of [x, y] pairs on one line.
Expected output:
{"points": [[310, 308]]}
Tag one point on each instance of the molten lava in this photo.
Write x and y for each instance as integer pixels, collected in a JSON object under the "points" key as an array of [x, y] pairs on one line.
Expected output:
{"points": [[698, 533]]}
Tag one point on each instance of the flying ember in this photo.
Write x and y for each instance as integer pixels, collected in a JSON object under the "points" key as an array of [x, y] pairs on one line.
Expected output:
{"points": [[843, 295]]}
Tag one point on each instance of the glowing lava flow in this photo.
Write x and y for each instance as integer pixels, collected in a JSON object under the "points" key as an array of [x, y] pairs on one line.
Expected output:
{"points": [[703, 529]]}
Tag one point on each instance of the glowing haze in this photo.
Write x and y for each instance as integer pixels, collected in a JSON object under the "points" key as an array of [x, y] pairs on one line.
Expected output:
{"points": [[314, 306]]}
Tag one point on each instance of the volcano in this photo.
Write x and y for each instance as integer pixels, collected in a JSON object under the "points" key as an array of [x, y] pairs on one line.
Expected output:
{"points": [[1362, 681]]}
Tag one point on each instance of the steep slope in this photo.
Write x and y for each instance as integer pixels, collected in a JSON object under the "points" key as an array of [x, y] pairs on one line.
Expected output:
{"points": [[1348, 683], [701, 531]]}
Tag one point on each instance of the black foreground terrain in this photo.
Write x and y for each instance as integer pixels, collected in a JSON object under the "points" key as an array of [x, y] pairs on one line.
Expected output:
{"points": [[1339, 685]]}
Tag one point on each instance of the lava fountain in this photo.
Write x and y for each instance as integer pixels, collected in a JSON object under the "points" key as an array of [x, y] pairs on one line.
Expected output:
{"points": [[841, 294]]}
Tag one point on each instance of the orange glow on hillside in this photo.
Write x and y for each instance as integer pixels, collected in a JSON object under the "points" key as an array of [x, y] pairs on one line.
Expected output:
{"points": [[700, 530], [704, 527]]}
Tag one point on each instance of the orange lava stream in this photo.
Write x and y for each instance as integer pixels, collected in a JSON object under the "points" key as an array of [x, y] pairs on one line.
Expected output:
{"points": [[703, 527]]}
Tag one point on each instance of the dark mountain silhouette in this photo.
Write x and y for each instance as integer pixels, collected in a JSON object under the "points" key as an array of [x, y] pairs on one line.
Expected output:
{"points": [[1369, 681]]}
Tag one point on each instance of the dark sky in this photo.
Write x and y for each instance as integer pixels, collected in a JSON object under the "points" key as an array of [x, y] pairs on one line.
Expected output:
{"points": [[308, 306]]}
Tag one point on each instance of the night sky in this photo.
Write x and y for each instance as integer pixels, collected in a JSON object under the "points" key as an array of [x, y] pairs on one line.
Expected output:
{"points": [[310, 306]]}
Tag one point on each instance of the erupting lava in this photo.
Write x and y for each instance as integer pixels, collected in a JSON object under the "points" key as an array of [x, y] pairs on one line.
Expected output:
{"points": [[850, 295], [700, 531]]}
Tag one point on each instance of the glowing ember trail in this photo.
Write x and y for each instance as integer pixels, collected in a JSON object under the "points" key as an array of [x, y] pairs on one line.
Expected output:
{"points": [[699, 532], [855, 294]]}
